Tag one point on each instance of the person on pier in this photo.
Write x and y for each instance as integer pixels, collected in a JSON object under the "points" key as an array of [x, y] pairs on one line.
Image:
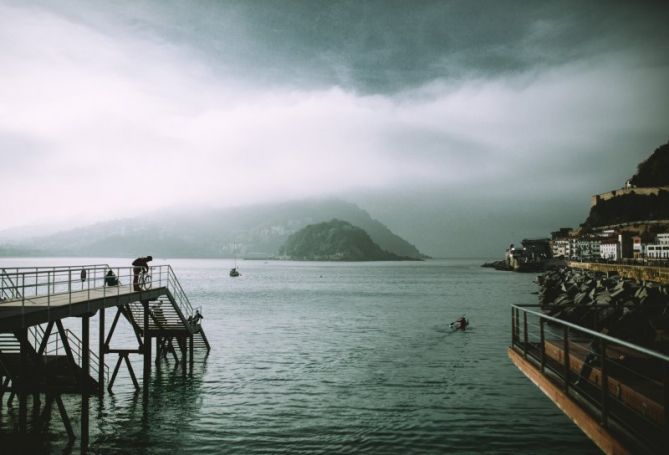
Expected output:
{"points": [[140, 264], [111, 279]]}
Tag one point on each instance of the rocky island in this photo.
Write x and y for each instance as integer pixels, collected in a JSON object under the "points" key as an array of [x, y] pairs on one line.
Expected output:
{"points": [[335, 240]]}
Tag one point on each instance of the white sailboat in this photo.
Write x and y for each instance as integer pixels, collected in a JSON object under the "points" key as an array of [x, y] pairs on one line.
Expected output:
{"points": [[234, 272]]}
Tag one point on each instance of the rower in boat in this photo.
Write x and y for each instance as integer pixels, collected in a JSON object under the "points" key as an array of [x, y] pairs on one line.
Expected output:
{"points": [[459, 324]]}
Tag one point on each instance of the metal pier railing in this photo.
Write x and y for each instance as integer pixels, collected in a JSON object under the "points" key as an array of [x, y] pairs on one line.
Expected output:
{"points": [[622, 385], [67, 284]]}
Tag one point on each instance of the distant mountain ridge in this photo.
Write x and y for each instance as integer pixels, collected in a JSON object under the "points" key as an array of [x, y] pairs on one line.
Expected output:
{"points": [[334, 240], [252, 231]]}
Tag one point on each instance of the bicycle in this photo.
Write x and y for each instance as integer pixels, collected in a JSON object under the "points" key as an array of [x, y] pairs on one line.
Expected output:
{"points": [[145, 280]]}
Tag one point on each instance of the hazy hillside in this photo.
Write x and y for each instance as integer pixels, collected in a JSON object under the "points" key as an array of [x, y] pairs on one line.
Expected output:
{"points": [[628, 208], [652, 172], [655, 170], [334, 240], [252, 231]]}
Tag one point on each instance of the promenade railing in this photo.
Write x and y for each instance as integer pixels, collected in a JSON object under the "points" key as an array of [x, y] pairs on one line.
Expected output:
{"points": [[623, 385]]}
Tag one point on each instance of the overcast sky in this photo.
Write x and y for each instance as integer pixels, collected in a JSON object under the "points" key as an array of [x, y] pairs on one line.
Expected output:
{"points": [[457, 123]]}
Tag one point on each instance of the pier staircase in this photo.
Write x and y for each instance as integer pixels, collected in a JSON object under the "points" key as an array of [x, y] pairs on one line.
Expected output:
{"points": [[170, 316], [8, 288]]}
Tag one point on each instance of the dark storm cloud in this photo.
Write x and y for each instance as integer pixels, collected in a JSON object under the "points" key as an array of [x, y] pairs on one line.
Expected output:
{"points": [[388, 46]]}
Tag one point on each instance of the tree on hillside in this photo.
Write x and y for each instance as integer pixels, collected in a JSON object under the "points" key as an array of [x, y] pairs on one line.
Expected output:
{"points": [[655, 170], [628, 208]]}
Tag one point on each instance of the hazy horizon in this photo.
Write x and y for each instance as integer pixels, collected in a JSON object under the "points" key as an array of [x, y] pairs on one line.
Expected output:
{"points": [[463, 126]]}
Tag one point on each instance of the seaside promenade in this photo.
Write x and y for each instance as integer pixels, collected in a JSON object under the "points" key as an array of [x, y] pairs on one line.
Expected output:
{"points": [[655, 274]]}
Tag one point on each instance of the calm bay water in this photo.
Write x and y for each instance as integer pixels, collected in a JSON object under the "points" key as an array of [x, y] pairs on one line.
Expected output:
{"points": [[334, 358]]}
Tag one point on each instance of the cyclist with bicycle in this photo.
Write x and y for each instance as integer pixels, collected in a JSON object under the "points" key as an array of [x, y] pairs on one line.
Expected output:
{"points": [[139, 265]]}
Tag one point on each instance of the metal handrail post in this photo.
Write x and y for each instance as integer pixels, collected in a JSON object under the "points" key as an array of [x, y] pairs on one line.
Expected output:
{"points": [[605, 385], [566, 359], [525, 337], [23, 300], [543, 344], [69, 285], [513, 325], [665, 380], [518, 326]]}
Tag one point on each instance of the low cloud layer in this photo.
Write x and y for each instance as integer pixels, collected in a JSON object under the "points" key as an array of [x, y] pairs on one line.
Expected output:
{"points": [[111, 112]]}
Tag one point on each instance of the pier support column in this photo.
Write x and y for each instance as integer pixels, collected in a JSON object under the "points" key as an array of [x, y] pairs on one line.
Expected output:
{"points": [[184, 354], [85, 380], [101, 353], [191, 350], [37, 407], [147, 351], [22, 382], [159, 341]]}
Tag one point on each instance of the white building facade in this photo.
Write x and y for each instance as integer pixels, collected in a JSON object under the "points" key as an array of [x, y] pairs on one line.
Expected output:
{"points": [[561, 248], [660, 248], [587, 248], [608, 250]]}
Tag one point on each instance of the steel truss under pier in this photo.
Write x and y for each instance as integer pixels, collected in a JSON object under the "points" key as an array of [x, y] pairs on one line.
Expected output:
{"points": [[41, 359]]}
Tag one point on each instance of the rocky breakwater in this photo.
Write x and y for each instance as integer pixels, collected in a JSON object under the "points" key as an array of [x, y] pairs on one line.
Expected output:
{"points": [[497, 265], [633, 311]]}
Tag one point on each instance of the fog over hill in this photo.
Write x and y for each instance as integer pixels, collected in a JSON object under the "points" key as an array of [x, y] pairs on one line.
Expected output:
{"points": [[255, 231], [462, 126]]}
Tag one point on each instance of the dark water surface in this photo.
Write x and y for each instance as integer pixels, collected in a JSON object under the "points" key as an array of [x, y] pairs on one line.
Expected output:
{"points": [[334, 358]]}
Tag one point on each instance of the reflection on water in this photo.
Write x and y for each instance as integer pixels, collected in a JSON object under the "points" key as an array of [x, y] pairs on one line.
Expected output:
{"points": [[336, 358]]}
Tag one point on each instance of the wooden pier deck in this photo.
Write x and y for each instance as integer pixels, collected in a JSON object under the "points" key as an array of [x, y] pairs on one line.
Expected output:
{"points": [[602, 437], [46, 308]]}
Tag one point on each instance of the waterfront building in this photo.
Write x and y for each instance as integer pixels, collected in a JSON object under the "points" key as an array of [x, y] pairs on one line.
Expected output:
{"points": [[573, 253], [658, 249], [561, 248], [560, 243], [537, 248], [625, 246], [639, 245], [587, 248], [609, 249]]}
